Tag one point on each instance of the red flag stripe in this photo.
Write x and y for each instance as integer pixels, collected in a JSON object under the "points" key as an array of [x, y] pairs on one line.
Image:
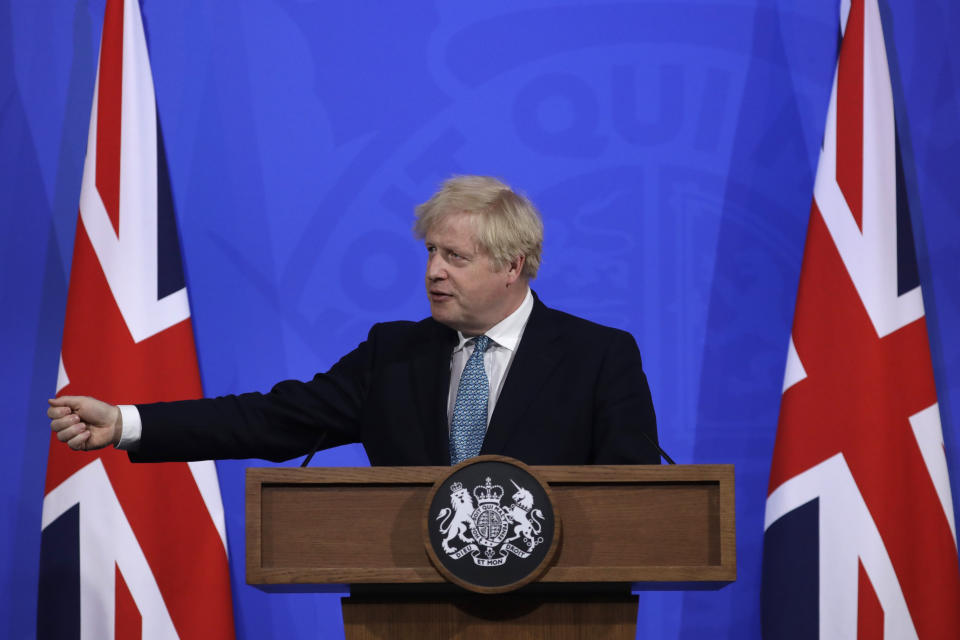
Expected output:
{"points": [[869, 611], [128, 623], [109, 102], [850, 113]]}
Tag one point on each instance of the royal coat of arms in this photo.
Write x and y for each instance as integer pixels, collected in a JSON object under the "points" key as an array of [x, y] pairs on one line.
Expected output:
{"points": [[477, 524]]}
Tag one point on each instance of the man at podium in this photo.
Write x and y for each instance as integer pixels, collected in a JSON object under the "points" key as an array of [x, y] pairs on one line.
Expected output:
{"points": [[492, 371]]}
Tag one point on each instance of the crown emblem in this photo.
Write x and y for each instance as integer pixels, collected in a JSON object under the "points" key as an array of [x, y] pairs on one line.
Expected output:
{"points": [[524, 507], [456, 486], [488, 492]]}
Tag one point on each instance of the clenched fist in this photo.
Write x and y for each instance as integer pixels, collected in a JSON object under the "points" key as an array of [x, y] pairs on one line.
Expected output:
{"points": [[85, 423]]}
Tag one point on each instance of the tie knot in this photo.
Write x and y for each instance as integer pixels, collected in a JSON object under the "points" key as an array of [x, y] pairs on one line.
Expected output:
{"points": [[480, 343]]}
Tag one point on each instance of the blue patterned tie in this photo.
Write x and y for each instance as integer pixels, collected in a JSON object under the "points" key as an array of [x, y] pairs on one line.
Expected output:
{"points": [[470, 411]]}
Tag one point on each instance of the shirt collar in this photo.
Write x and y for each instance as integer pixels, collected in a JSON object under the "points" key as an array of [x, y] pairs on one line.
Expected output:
{"points": [[508, 331]]}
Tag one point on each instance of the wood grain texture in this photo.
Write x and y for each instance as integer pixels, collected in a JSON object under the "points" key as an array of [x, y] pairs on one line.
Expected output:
{"points": [[491, 618], [364, 525]]}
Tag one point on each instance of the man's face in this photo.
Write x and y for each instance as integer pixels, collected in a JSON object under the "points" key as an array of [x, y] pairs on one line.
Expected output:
{"points": [[466, 292]]}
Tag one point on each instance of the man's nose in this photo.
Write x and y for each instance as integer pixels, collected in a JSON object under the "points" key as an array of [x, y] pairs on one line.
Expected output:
{"points": [[436, 269]]}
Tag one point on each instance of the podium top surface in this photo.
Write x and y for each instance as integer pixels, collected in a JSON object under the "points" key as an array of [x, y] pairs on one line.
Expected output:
{"points": [[363, 525]]}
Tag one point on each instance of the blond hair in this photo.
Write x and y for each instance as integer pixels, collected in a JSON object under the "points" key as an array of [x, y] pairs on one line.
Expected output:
{"points": [[506, 223]]}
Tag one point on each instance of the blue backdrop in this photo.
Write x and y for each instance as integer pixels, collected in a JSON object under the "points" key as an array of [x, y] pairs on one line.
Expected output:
{"points": [[671, 147]]}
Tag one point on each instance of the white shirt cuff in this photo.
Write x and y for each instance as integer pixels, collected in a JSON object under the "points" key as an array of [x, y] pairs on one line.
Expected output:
{"points": [[132, 428]]}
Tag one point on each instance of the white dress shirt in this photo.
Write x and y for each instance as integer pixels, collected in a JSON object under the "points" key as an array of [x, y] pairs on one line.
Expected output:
{"points": [[504, 338]]}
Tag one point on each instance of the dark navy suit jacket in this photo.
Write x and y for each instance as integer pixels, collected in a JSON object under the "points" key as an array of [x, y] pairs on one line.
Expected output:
{"points": [[575, 394]]}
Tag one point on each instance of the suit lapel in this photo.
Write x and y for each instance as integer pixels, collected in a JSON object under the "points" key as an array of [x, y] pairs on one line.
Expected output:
{"points": [[537, 355], [430, 372]]}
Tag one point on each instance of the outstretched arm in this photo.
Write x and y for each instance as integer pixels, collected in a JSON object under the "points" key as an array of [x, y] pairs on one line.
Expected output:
{"points": [[85, 423]]}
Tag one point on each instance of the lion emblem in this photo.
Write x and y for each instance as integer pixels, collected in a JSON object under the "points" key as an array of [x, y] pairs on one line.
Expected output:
{"points": [[456, 520]]}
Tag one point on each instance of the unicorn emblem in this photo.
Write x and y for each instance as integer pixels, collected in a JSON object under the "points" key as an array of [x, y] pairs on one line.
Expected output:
{"points": [[528, 520]]}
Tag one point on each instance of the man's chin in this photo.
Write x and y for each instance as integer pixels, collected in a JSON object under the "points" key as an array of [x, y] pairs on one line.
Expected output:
{"points": [[446, 318], [441, 315]]}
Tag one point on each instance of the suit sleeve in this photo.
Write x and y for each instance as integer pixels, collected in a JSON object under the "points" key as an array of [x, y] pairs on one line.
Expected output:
{"points": [[624, 407], [285, 423]]}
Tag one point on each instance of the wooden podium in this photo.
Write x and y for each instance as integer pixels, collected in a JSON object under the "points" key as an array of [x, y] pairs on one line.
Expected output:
{"points": [[623, 528]]}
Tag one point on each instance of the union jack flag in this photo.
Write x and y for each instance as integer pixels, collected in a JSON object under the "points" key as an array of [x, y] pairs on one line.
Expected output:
{"points": [[859, 539], [129, 551]]}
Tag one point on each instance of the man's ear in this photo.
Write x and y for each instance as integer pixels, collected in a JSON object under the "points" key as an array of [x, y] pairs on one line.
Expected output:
{"points": [[515, 268]]}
